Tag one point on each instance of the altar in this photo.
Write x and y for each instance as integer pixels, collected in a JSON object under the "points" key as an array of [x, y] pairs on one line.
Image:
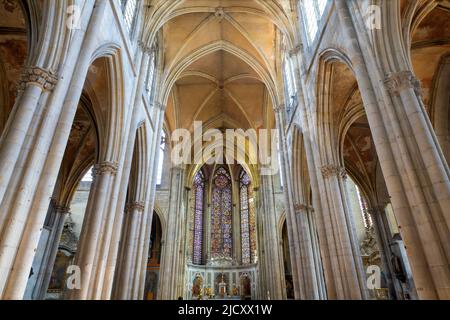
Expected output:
{"points": [[220, 282]]}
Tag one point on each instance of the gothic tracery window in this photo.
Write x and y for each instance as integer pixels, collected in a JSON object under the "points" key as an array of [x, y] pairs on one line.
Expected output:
{"points": [[313, 11], [248, 240], [150, 79], [199, 187], [221, 219], [162, 150], [290, 84], [129, 9]]}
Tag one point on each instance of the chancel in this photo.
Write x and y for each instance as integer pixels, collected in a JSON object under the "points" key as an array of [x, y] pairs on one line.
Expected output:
{"points": [[320, 171]]}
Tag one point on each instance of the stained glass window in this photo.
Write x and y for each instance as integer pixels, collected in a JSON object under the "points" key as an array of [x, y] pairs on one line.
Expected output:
{"points": [[221, 219], [199, 187], [248, 240]]}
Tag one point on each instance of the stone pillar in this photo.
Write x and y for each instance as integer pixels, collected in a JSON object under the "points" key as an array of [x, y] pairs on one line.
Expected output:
{"points": [[302, 259], [383, 237], [130, 243], [417, 177], [349, 274], [324, 263], [169, 271], [273, 262], [32, 176], [140, 265], [287, 178], [34, 81], [51, 250], [150, 196], [315, 245], [93, 227], [310, 268], [320, 250], [122, 190], [182, 227], [426, 187]]}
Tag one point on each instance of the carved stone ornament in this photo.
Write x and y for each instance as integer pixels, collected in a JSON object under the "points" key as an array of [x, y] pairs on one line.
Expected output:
{"points": [[220, 14], [399, 81], [138, 206], [279, 108], [296, 50], [104, 168], [69, 239], [62, 210], [333, 170], [45, 79], [300, 208]]}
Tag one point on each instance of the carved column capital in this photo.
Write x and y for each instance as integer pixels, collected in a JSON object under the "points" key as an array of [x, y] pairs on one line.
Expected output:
{"points": [[62, 209], [105, 168], [138, 206], [399, 81], [145, 48], [44, 79], [333, 170], [300, 208], [279, 108], [296, 50]]}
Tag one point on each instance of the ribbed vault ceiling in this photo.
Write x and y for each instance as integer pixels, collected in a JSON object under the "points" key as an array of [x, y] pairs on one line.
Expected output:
{"points": [[221, 63]]}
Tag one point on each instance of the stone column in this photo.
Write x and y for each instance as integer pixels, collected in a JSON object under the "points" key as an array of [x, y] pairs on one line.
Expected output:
{"points": [[127, 155], [93, 227], [169, 274], [303, 268], [310, 270], [426, 187], [417, 177], [181, 264], [327, 287], [320, 250], [151, 194], [140, 265], [130, 243], [51, 250], [272, 260], [383, 237], [349, 276], [34, 81], [289, 207], [315, 246], [32, 176]]}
